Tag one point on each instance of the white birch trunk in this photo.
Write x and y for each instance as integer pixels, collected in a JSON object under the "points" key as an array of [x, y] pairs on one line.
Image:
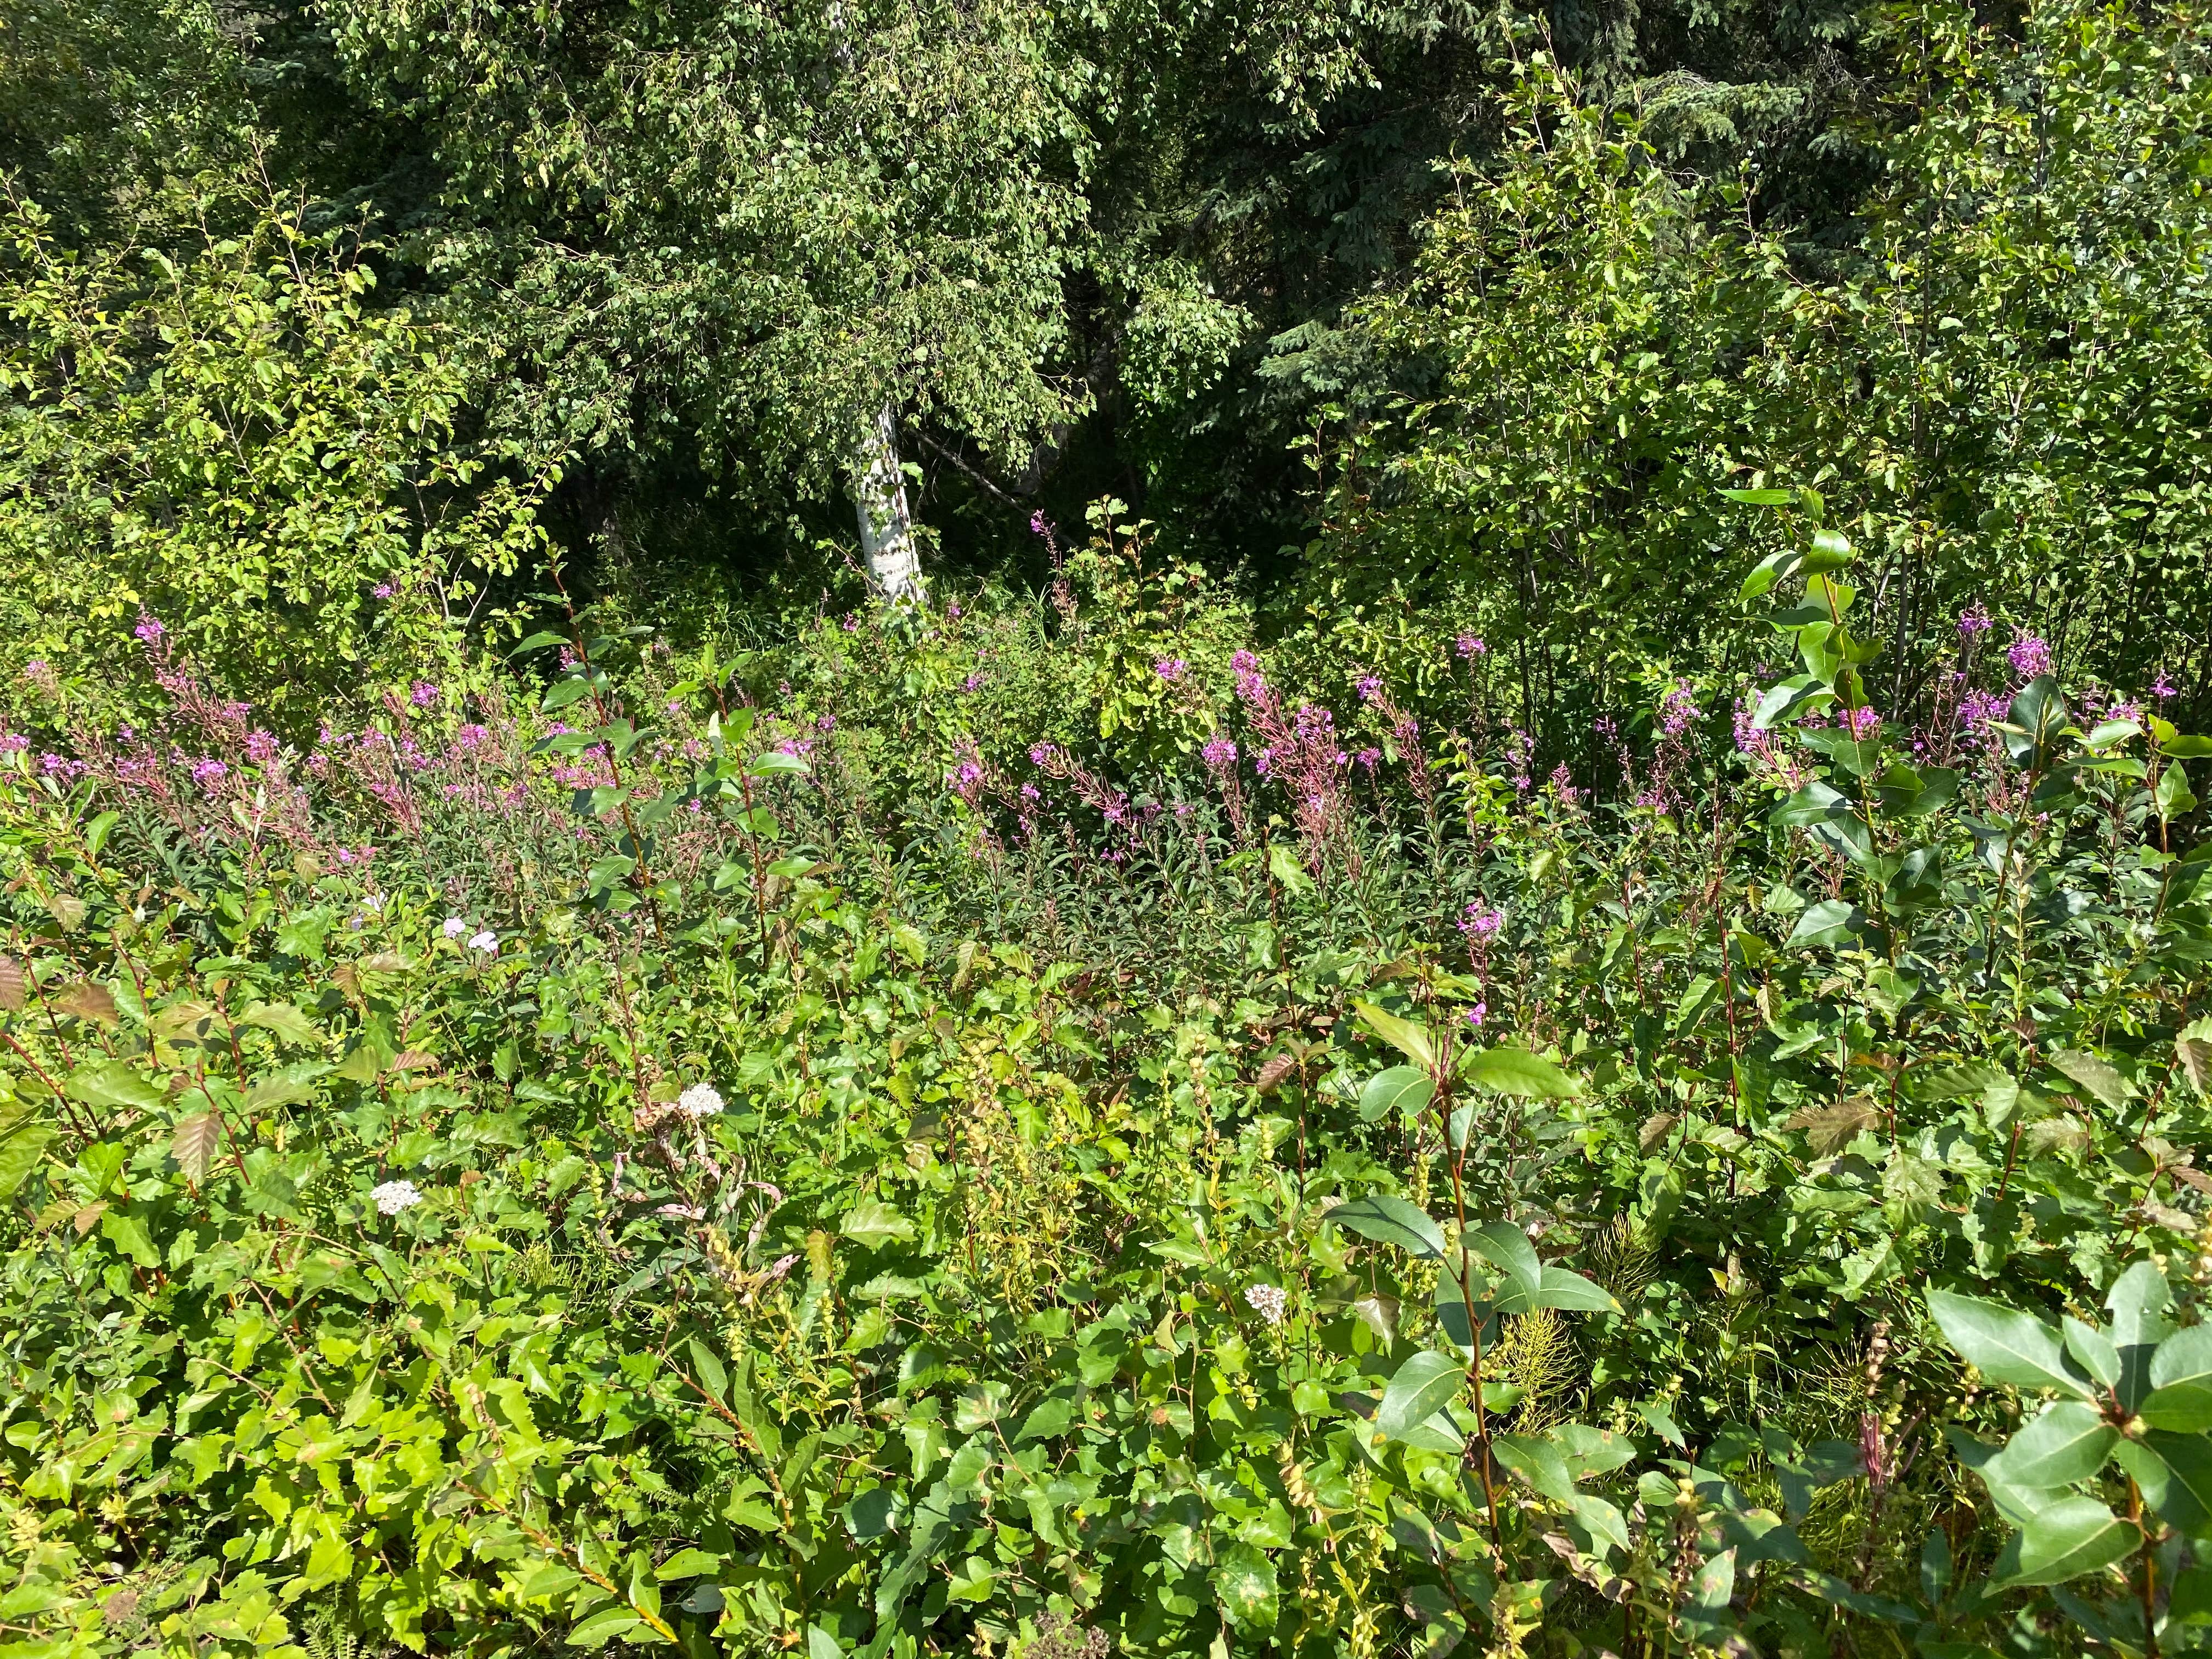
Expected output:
{"points": [[880, 500]]}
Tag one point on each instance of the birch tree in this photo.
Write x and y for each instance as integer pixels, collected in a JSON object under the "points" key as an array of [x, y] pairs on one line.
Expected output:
{"points": [[762, 237]]}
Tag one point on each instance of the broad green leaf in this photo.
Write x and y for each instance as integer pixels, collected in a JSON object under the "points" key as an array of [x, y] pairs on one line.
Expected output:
{"points": [[1592, 1451], [873, 1224], [1517, 1071], [1831, 923], [115, 1083], [127, 1233], [2095, 1075], [1404, 1091], [774, 761], [1282, 865], [687, 1564], [1761, 497], [1244, 1584], [1505, 1247], [603, 1626], [2091, 1350], [2006, 1346], [1424, 1385], [1570, 1292], [1602, 1520], [1538, 1462], [1410, 1040], [285, 1022], [1711, 1592], [2173, 797], [2067, 1442], [2174, 1472], [707, 1370], [193, 1143], [2138, 1302], [23, 1142], [278, 1089], [1394, 1221], [2015, 1503], [2065, 1538], [2180, 1396]]}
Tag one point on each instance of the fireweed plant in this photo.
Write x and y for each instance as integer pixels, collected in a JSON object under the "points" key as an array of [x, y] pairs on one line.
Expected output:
{"points": [[1055, 1131]]}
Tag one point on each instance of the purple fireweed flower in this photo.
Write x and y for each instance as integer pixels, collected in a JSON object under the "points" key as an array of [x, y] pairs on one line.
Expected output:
{"points": [[1474, 1015], [260, 748], [13, 743], [1369, 757], [1677, 709], [852, 622], [1370, 687], [1480, 922], [1218, 753], [952, 610], [1041, 753], [1980, 708], [1170, 669], [149, 630], [2030, 656], [1039, 524], [470, 739], [423, 694], [2162, 688], [825, 723], [972, 681], [1860, 723], [1469, 645], [1973, 620], [1244, 663], [382, 590]]}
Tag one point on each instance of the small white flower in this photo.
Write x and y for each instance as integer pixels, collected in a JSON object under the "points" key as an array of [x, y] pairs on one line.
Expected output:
{"points": [[700, 1100], [455, 927], [487, 942], [1268, 1301], [393, 1196]]}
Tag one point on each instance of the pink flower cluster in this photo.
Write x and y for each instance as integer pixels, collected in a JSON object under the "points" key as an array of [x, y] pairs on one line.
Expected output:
{"points": [[2030, 657]]}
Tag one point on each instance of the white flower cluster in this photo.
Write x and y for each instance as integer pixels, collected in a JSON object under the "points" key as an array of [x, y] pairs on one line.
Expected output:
{"points": [[700, 1100], [1268, 1301], [454, 928], [487, 942], [393, 1196]]}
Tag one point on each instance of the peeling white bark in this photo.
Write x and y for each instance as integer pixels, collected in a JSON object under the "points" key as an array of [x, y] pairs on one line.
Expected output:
{"points": [[879, 501]]}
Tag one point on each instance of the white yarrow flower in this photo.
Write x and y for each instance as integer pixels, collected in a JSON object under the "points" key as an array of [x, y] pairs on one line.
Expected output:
{"points": [[393, 1196], [700, 1100], [1268, 1301], [487, 942], [455, 927]]}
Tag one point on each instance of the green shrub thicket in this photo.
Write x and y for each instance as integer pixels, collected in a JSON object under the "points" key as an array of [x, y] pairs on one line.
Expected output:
{"points": [[827, 1151]]}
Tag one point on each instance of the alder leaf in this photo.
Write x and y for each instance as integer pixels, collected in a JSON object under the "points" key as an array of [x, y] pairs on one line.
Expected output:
{"points": [[194, 1142]]}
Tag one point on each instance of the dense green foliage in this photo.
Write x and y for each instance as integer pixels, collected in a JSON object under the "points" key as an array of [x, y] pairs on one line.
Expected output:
{"points": [[798, 1152]]}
